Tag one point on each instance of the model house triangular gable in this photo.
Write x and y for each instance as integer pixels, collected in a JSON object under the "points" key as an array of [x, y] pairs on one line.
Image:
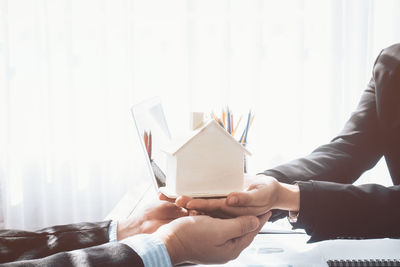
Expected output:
{"points": [[177, 145]]}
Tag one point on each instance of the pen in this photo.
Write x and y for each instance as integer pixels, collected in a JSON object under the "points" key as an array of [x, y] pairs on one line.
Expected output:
{"points": [[247, 127], [229, 129], [232, 131]]}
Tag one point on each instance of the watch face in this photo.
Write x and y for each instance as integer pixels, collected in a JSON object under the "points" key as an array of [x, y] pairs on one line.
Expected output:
{"points": [[293, 215]]}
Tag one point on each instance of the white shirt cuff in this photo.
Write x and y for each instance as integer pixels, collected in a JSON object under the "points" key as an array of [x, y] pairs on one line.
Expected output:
{"points": [[112, 231], [151, 249]]}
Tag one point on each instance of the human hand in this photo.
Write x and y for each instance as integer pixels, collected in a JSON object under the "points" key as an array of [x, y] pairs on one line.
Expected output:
{"points": [[161, 196], [149, 219], [263, 194], [203, 239]]}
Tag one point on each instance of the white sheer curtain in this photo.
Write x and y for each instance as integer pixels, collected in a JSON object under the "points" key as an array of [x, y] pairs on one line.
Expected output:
{"points": [[70, 70]]}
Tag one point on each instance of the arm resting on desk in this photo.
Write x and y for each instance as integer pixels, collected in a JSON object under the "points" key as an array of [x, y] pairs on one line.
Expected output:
{"points": [[331, 210], [110, 254]]}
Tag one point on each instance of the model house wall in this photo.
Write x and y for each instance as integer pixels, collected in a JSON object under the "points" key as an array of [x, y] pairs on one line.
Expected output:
{"points": [[210, 163]]}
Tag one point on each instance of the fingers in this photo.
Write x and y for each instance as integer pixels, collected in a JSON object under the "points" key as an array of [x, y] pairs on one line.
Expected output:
{"points": [[182, 201], [240, 199], [237, 245], [264, 218], [233, 228], [195, 213], [206, 205], [178, 209], [261, 220], [180, 212], [171, 211], [219, 208], [161, 196], [254, 197], [243, 211]]}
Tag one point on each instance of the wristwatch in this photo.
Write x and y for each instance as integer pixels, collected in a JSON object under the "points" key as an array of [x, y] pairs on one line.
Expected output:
{"points": [[293, 215]]}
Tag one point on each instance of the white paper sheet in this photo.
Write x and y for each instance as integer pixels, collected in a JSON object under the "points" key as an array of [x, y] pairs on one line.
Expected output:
{"points": [[275, 250]]}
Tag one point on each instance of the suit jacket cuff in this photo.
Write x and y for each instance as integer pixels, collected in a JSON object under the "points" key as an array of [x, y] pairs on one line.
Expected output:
{"points": [[308, 206]]}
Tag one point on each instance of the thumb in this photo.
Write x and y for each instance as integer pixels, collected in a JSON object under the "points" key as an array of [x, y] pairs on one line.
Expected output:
{"points": [[264, 218], [236, 227]]}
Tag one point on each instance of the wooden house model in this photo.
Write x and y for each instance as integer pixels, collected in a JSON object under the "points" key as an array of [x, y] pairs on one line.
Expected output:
{"points": [[208, 163]]}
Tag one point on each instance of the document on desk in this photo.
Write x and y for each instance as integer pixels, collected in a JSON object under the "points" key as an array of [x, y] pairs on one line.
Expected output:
{"points": [[281, 226], [288, 250], [279, 250]]}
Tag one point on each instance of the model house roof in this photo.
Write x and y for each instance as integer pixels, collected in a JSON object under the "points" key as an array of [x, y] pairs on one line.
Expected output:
{"points": [[177, 144]]}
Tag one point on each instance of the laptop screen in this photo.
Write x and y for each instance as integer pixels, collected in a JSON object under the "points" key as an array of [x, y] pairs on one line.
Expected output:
{"points": [[153, 132]]}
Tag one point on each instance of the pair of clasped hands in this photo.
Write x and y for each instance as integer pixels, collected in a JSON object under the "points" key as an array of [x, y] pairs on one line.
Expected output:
{"points": [[217, 229]]}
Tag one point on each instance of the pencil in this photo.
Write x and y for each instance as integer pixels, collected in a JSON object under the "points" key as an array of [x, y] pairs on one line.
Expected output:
{"points": [[252, 119], [146, 141], [242, 137], [213, 116], [223, 118], [237, 125], [150, 144], [220, 123]]}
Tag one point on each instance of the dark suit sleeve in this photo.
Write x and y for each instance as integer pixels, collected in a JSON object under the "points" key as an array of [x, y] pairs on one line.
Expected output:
{"points": [[332, 210], [356, 149], [329, 210], [110, 254], [24, 245]]}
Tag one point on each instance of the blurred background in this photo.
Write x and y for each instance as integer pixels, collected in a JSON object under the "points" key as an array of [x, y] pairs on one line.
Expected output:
{"points": [[71, 69]]}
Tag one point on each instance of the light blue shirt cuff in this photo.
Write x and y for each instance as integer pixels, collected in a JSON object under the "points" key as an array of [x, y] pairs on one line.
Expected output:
{"points": [[112, 231], [151, 249]]}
